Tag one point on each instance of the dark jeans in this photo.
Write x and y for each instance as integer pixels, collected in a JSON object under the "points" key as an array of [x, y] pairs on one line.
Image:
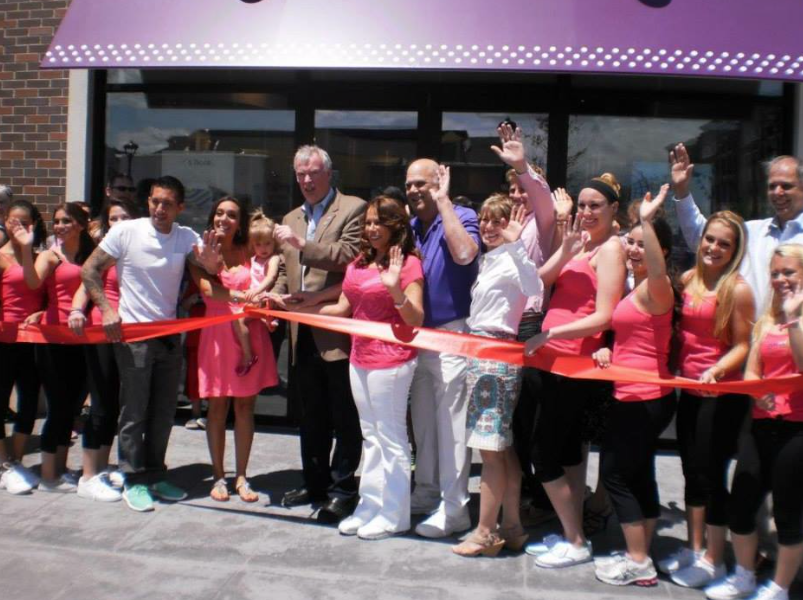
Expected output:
{"points": [[63, 372], [327, 406], [628, 456], [104, 390], [149, 377], [18, 367]]}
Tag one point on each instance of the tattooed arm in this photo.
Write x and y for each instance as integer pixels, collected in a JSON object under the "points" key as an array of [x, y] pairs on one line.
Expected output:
{"points": [[92, 275]]}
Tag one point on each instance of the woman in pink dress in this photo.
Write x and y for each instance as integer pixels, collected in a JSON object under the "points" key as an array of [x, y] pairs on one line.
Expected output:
{"points": [[219, 352]]}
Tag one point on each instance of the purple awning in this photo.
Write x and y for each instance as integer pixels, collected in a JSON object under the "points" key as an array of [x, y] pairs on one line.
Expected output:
{"points": [[730, 38]]}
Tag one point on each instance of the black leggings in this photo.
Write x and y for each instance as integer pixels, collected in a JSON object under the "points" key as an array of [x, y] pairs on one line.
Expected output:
{"points": [[557, 440], [628, 456], [770, 458], [63, 372], [18, 366], [708, 431], [103, 380]]}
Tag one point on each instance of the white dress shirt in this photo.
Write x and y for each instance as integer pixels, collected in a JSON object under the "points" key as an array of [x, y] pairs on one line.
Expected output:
{"points": [[763, 237], [507, 278]]}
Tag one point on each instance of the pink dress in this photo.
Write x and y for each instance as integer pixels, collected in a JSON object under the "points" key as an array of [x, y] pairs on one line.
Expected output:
{"points": [[219, 353]]}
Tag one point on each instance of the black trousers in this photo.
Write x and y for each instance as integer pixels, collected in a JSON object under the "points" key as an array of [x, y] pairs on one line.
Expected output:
{"points": [[708, 430], [327, 411], [18, 366], [104, 390], [63, 372], [628, 456]]}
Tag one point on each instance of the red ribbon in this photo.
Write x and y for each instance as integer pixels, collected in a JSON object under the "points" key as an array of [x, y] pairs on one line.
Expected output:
{"points": [[461, 344]]}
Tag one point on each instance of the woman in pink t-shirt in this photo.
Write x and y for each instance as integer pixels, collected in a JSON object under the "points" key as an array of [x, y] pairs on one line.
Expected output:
{"points": [[385, 283]]}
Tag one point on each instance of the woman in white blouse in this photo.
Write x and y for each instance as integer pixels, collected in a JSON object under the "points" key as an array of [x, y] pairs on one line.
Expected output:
{"points": [[507, 278]]}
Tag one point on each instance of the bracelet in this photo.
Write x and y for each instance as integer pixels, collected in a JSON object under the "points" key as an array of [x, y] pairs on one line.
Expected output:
{"points": [[401, 304], [77, 310]]}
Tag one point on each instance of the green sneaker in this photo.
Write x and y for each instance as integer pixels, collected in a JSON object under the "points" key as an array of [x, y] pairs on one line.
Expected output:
{"points": [[167, 491], [138, 498]]}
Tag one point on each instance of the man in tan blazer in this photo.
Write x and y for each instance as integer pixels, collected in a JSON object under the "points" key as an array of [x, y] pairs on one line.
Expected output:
{"points": [[319, 239]]}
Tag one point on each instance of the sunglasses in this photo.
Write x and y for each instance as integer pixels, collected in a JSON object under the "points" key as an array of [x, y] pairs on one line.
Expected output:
{"points": [[124, 188]]}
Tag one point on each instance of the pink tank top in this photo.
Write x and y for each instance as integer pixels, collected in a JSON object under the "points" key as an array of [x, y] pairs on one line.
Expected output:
{"points": [[700, 349], [62, 284], [777, 360], [574, 297], [232, 279], [641, 342], [18, 300], [111, 287]]}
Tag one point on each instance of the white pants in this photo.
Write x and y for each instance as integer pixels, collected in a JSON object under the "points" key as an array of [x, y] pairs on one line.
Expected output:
{"points": [[442, 461], [381, 399]]}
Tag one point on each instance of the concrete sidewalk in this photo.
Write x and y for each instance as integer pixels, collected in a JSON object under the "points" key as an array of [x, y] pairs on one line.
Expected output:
{"points": [[62, 546]]}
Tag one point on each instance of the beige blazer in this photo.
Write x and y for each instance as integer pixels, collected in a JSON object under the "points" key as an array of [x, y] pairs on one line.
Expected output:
{"points": [[322, 263]]}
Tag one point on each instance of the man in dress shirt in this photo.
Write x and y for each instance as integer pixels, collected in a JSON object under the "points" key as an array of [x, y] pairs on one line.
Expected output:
{"points": [[785, 195], [318, 240], [448, 238]]}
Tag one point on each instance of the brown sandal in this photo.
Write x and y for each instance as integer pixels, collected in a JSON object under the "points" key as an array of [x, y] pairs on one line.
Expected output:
{"points": [[245, 492], [476, 544], [514, 538], [220, 491]]}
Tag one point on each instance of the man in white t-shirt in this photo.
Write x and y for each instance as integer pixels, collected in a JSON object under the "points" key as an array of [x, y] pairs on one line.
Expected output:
{"points": [[150, 255]]}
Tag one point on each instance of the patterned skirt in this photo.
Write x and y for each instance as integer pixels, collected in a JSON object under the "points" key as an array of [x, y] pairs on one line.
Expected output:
{"points": [[493, 390]]}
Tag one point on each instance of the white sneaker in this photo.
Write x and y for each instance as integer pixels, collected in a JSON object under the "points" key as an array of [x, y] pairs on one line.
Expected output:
{"points": [[770, 591], [70, 478], [741, 584], [97, 488], [377, 529], [623, 570], [544, 546], [59, 486], [699, 574], [438, 525], [31, 477], [422, 503], [350, 525], [116, 478], [681, 559], [13, 481], [563, 554]]}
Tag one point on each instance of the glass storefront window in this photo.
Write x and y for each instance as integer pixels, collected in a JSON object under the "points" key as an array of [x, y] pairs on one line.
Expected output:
{"points": [[370, 150], [216, 144], [466, 142], [727, 155]]}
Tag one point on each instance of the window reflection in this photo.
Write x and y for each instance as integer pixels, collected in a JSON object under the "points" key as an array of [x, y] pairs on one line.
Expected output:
{"points": [[370, 150], [228, 145], [466, 142]]}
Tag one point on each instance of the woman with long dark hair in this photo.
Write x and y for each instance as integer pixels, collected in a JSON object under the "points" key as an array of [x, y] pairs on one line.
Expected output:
{"points": [[62, 367], [19, 305], [383, 284]]}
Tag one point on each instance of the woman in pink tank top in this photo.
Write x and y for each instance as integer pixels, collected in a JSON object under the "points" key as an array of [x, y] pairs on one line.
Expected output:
{"points": [[19, 305], [770, 452], [580, 310], [62, 367], [713, 341], [97, 482], [642, 328]]}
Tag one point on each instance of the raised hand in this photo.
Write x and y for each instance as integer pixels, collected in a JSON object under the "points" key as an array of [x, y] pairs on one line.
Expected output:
{"points": [[681, 170], [563, 204], [210, 254], [20, 234], [650, 206], [441, 194], [390, 277], [512, 151], [574, 238], [512, 232], [792, 305], [284, 234]]}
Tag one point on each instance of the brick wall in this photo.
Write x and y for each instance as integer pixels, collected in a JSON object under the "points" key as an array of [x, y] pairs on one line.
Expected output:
{"points": [[33, 103]]}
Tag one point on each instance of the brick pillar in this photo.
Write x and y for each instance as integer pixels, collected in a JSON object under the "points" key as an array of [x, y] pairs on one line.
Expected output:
{"points": [[33, 104]]}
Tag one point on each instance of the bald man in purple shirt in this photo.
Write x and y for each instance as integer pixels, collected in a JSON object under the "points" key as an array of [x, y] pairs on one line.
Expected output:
{"points": [[448, 238]]}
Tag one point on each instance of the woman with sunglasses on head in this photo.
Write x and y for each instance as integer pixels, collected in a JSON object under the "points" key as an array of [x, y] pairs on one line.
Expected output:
{"points": [[97, 481], [714, 339], [770, 453], [62, 367], [580, 310], [642, 329], [20, 305]]}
